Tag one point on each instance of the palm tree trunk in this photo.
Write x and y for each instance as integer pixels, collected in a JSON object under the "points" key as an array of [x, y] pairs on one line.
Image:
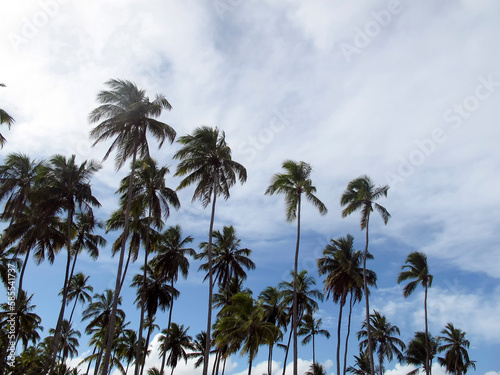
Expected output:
{"points": [[314, 350], [88, 367], [295, 302], [210, 277], [250, 365], [57, 334], [427, 346], [112, 318], [348, 332], [270, 359], [342, 303], [72, 311], [126, 268], [141, 322], [286, 352], [367, 304], [148, 336]]}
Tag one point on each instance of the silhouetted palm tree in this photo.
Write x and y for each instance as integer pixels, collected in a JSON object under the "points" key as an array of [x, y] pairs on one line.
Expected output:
{"points": [[361, 194], [316, 369], [417, 354], [79, 290], [5, 118], [205, 160], [456, 358], [310, 327], [417, 269], [385, 343], [179, 341], [126, 115], [294, 182]]}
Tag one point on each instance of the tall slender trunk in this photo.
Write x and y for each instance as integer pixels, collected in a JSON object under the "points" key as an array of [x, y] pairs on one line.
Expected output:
{"points": [[367, 304], [250, 360], [148, 336], [112, 318], [427, 346], [270, 359], [126, 268], [314, 350], [348, 332], [168, 332], [210, 277], [286, 352], [342, 303], [141, 321], [295, 302], [57, 334], [88, 367]]}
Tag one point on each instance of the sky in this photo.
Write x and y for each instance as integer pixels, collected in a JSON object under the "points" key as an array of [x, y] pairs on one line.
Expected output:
{"points": [[406, 92]]}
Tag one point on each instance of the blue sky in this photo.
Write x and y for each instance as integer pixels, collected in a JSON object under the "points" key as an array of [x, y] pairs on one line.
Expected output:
{"points": [[404, 91]]}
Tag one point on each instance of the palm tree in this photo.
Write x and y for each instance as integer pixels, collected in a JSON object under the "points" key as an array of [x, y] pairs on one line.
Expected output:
{"points": [[362, 364], [5, 118], [68, 187], [417, 354], [310, 327], [243, 326], [299, 290], [417, 269], [385, 342], [170, 259], [177, 344], [78, 290], [454, 344], [128, 344], [127, 115], [293, 183], [341, 265], [361, 194], [316, 369], [275, 312], [199, 349], [205, 160], [99, 313], [149, 190], [69, 341], [228, 259]]}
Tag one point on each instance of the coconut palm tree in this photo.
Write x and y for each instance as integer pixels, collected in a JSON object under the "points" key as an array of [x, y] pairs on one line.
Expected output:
{"points": [[127, 347], [275, 312], [177, 344], [417, 354], [69, 341], [316, 369], [385, 342], [99, 313], [126, 115], [310, 327], [361, 194], [199, 349], [171, 259], [149, 191], [68, 187], [341, 265], [243, 326], [205, 160], [299, 290], [417, 270], [362, 365], [228, 259], [5, 118], [294, 182], [79, 290], [454, 345]]}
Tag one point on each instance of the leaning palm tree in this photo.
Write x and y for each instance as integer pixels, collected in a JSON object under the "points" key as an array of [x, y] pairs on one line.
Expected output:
{"points": [[205, 160], [78, 290], [341, 265], [454, 344], [416, 353], [126, 115], [417, 270], [5, 118], [294, 182], [361, 194], [310, 327], [149, 190], [384, 337]]}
